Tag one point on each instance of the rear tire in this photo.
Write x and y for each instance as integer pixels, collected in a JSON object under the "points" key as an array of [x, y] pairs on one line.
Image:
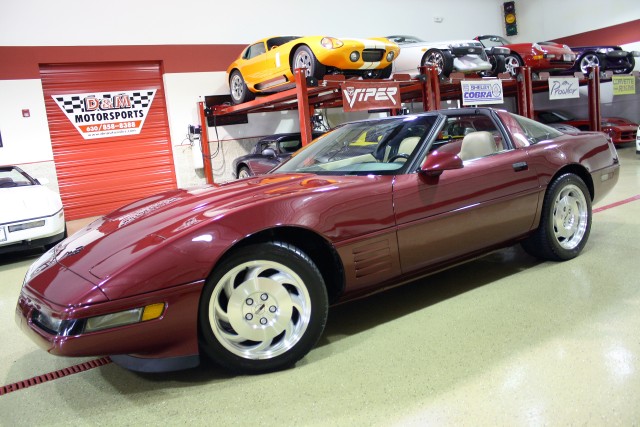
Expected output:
{"points": [[512, 62], [239, 91], [565, 221], [244, 172], [589, 60], [263, 308]]}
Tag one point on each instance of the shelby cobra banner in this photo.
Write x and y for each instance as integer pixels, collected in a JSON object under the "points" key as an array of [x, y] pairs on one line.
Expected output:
{"points": [[107, 114], [482, 92], [370, 96]]}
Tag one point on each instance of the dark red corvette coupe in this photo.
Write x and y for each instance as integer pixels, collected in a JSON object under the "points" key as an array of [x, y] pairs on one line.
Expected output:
{"points": [[244, 272]]}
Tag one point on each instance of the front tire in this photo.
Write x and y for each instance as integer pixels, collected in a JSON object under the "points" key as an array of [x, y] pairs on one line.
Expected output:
{"points": [[263, 308], [565, 223], [304, 58], [629, 69], [441, 59], [497, 66]]}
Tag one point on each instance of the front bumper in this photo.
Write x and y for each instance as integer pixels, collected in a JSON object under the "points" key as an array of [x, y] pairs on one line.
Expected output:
{"points": [[546, 63], [470, 64], [172, 336], [621, 134], [618, 60], [13, 238], [372, 57]]}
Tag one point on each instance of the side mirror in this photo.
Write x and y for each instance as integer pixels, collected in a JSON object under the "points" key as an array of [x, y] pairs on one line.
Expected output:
{"points": [[438, 162], [269, 152]]}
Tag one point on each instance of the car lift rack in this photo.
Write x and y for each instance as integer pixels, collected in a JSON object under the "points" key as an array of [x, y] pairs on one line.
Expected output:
{"points": [[309, 94]]}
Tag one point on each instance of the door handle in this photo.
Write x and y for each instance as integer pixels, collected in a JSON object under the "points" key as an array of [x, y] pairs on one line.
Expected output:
{"points": [[520, 166]]}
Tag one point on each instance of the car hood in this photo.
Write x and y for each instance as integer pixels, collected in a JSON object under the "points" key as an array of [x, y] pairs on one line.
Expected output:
{"points": [[619, 121], [120, 239], [440, 44], [28, 202], [546, 47]]}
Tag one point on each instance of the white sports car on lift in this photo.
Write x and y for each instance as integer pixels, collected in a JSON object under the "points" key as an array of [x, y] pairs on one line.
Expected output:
{"points": [[638, 141], [466, 56], [31, 215]]}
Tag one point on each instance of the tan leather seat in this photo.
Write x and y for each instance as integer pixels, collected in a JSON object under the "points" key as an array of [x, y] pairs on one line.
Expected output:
{"points": [[476, 145], [408, 144]]}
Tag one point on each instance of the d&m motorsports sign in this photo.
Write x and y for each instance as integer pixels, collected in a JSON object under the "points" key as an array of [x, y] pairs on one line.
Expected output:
{"points": [[107, 114]]}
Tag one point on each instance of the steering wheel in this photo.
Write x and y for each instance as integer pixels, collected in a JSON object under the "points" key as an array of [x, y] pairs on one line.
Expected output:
{"points": [[398, 156]]}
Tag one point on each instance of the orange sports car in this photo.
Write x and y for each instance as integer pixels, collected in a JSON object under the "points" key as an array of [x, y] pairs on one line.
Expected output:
{"points": [[267, 65]]}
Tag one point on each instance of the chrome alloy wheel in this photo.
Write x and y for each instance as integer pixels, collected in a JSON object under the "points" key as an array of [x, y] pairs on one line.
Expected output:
{"points": [[244, 173], [511, 64], [435, 58], [570, 217], [303, 60], [590, 60], [237, 86], [259, 309]]}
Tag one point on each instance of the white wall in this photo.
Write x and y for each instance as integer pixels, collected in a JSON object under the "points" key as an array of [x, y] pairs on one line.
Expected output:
{"points": [[124, 22], [24, 139]]}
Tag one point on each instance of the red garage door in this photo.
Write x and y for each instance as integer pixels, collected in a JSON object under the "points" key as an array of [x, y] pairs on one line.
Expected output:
{"points": [[109, 133]]}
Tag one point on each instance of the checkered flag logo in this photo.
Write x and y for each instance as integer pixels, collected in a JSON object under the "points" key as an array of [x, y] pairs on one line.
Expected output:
{"points": [[69, 103], [142, 99]]}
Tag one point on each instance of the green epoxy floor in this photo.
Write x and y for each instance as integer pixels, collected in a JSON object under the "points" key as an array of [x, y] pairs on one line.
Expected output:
{"points": [[503, 340]]}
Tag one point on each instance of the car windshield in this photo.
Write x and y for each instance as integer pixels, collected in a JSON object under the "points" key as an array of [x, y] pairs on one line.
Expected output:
{"points": [[14, 177], [493, 41], [404, 39], [373, 147], [277, 41]]}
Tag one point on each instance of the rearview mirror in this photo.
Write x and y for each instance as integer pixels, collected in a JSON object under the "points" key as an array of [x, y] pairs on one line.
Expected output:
{"points": [[438, 162]]}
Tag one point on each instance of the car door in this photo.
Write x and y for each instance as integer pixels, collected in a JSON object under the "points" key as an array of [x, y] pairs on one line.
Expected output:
{"points": [[491, 200], [254, 64]]}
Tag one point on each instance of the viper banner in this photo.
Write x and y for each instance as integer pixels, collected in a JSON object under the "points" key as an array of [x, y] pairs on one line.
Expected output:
{"points": [[363, 96], [107, 114]]}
